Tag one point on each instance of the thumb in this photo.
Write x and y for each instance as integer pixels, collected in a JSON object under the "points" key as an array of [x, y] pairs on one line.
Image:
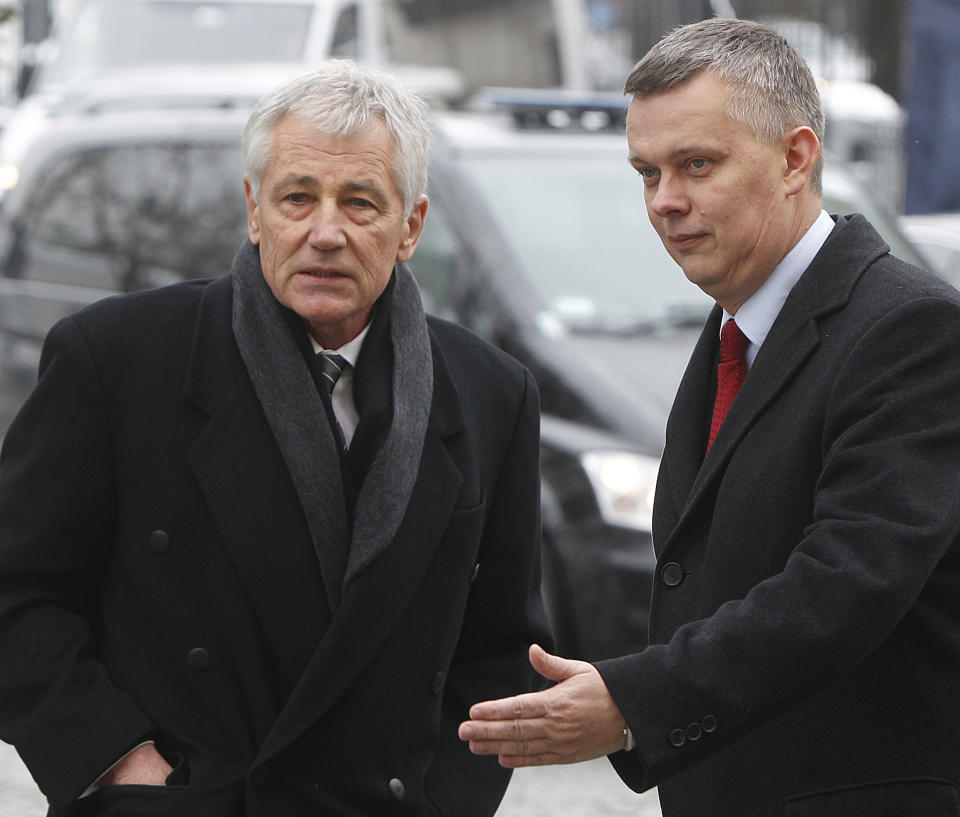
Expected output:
{"points": [[552, 667]]}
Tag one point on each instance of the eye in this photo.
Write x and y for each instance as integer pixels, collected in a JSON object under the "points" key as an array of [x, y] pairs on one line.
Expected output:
{"points": [[358, 202], [648, 174], [698, 164], [297, 198]]}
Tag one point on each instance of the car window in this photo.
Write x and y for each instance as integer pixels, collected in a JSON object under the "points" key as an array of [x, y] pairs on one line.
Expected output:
{"points": [[578, 226], [450, 283], [109, 36], [462, 36], [435, 262], [128, 217]]}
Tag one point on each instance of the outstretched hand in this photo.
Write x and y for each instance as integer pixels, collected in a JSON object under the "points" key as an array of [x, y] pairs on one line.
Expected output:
{"points": [[574, 720]]}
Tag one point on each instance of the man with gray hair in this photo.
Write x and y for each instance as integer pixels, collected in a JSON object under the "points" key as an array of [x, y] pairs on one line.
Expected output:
{"points": [[264, 539], [804, 653]]}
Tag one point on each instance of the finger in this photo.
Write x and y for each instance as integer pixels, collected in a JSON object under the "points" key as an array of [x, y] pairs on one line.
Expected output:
{"points": [[518, 707], [515, 729], [553, 667], [521, 761], [511, 747]]}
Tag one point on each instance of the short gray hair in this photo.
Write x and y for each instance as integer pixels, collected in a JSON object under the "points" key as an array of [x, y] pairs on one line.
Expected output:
{"points": [[342, 98], [772, 89]]}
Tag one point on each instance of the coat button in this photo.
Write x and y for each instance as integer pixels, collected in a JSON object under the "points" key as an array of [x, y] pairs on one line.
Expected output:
{"points": [[694, 732], [198, 659], [678, 737], [709, 723], [260, 775], [438, 681], [159, 541], [672, 574], [397, 790]]}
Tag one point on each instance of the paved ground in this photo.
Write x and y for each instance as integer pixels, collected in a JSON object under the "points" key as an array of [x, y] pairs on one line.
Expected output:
{"points": [[19, 796], [585, 790], [582, 790]]}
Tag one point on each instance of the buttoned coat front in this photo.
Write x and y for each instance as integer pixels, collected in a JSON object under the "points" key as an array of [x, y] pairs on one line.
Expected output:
{"points": [[805, 623], [158, 580]]}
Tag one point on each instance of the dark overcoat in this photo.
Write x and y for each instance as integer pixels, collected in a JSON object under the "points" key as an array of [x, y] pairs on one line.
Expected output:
{"points": [[158, 580], [805, 624]]}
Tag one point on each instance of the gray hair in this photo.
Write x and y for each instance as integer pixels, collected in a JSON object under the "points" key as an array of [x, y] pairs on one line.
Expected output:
{"points": [[772, 89], [342, 98]]}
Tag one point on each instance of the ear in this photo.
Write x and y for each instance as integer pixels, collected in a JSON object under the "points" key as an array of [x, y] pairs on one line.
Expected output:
{"points": [[253, 212], [802, 149], [414, 228]]}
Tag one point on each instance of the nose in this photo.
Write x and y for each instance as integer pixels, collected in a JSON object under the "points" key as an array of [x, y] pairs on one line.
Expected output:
{"points": [[668, 198], [326, 228]]}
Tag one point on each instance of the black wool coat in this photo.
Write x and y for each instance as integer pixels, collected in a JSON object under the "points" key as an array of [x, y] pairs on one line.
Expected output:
{"points": [[158, 580], [805, 624]]}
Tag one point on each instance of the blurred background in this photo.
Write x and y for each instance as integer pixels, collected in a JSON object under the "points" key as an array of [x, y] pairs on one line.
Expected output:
{"points": [[120, 123], [903, 50]]}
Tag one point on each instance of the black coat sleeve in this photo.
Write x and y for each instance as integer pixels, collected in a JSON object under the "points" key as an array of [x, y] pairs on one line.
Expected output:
{"points": [[57, 704]]}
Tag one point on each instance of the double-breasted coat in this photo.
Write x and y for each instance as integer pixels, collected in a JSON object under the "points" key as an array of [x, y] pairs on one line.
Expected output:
{"points": [[158, 580], [804, 652]]}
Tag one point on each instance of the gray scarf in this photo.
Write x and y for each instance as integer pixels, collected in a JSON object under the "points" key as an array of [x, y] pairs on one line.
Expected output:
{"points": [[296, 416]]}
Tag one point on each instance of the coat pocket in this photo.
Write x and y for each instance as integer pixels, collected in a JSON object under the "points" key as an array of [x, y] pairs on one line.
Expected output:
{"points": [[915, 797], [465, 524], [160, 801]]}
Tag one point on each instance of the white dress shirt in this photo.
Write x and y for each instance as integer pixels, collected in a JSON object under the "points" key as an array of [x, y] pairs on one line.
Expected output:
{"points": [[757, 314], [344, 407]]}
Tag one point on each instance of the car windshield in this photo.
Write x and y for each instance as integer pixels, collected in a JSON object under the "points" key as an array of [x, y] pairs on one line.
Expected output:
{"points": [[581, 233], [110, 36]]}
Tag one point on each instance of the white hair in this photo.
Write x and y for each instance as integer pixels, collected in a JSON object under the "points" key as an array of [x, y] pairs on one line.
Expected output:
{"points": [[342, 98]]}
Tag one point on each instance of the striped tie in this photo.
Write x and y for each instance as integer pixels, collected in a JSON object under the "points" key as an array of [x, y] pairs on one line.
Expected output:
{"points": [[331, 367]]}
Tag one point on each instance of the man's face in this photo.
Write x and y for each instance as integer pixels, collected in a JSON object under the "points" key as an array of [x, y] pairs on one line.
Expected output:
{"points": [[330, 224], [717, 197]]}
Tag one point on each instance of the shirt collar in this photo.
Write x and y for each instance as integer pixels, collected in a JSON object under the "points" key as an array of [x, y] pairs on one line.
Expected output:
{"points": [[350, 351], [758, 313]]}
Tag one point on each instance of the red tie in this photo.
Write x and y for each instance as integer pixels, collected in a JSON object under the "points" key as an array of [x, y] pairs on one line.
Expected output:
{"points": [[731, 373]]}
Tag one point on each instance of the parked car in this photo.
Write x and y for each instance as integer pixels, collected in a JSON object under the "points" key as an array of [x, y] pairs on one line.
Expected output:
{"points": [[99, 37], [937, 237], [536, 238]]}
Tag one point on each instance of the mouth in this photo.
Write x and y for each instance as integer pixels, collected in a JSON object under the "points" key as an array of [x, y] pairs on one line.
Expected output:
{"points": [[320, 272], [685, 241]]}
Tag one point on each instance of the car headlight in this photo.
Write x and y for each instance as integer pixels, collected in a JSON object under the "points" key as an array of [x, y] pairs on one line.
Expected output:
{"points": [[624, 484], [9, 176]]}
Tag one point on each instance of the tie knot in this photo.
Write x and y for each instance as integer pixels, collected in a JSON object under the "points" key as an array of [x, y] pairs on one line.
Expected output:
{"points": [[331, 367], [733, 343]]}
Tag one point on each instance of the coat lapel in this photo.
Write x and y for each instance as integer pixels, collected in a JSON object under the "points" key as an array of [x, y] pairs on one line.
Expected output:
{"points": [[257, 510], [383, 585], [249, 492], [686, 425], [794, 338]]}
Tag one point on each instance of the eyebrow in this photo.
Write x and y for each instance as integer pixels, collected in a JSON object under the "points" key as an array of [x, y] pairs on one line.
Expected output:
{"points": [[306, 180], [303, 179], [364, 187], [679, 153]]}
